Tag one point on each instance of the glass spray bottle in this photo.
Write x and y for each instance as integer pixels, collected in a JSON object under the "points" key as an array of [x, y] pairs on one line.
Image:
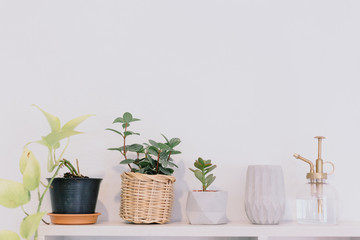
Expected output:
{"points": [[316, 202]]}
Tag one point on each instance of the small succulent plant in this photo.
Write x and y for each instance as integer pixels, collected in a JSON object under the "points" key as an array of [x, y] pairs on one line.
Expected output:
{"points": [[150, 158], [204, 167]]}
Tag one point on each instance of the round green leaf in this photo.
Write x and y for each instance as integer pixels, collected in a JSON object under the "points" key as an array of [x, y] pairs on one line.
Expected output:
{"points": [[127, 117], [8, 235], [30, 224], [198, 165], [199, 175], [127, 161], [135, 148], [174, 142], [163, 146], [153, 143], [31, 174], [119, 119], [24, 159], [13, 194]]}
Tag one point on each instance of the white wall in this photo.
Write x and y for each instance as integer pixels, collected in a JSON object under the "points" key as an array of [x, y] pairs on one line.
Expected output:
{"points": [[240, 82]]}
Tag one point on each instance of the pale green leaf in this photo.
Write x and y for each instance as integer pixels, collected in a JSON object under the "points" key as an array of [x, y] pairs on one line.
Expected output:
{"points": [[174, 142], [153, 143], [8, 235], [173, 164], [135, 148], [118, 120], [30, 224], [54, 122], [56, 145], [30, 168], [116, 131], [164, 155], [167, 140], [163, 146], [198, 165], [135, 119], [127, 117], [209, 180], [42, 142], [163, 162], [72, 124], [199, 175], [210, 169], [144, 164], [152, 150], [128, 133], [201, 161], [31, 176], [13, 194], [166, 171], [127, 161], [53, 138], [120, 149], [23, 159]]}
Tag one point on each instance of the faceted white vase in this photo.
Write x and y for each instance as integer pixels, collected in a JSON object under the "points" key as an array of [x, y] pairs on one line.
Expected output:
{"points": [[206, 207], [264, 194]]}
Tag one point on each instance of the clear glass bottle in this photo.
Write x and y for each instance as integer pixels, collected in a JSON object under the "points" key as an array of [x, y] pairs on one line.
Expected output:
{"points": [[316, 203]]}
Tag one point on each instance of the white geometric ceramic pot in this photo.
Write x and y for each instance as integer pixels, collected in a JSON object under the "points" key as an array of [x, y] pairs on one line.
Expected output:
{"points": [[264, 194], [206, 207]]}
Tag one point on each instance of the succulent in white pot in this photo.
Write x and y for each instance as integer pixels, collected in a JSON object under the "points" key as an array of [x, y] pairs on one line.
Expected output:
{"points": [[206, 206]]}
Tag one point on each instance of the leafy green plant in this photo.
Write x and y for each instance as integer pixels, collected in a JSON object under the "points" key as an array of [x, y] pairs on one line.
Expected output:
{"points": [[148, 158], [204, 167], [16, 194]]}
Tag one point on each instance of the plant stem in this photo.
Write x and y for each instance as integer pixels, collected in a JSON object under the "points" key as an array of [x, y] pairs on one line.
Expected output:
{"points": [[43, 195], [204, 186], [70, 167], [169, 156], [77, 165], [54, 159], [62, 153], [158, 160], [22, 207], [126, 125]]}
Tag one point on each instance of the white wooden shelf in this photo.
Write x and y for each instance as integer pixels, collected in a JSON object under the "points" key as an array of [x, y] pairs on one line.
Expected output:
{"points": [[181, 229]]}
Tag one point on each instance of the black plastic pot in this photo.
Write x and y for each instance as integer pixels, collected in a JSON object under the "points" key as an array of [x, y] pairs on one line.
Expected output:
{"points": [[74, 195]]}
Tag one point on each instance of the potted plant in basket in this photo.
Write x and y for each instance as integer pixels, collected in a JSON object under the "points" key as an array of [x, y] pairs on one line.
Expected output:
{"points": [[150, 167], [16, 194], [206, 206]]}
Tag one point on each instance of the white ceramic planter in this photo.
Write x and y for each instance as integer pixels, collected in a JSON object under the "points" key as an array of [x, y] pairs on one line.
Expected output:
{"points": [[264, 194], [206, 207]]}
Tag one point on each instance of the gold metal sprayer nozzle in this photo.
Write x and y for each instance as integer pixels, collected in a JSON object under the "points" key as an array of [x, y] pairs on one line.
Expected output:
{"points": [[317, 172]]}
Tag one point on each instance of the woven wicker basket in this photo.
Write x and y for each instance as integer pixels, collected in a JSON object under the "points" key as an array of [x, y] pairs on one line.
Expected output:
{"points": [[146, 198]]}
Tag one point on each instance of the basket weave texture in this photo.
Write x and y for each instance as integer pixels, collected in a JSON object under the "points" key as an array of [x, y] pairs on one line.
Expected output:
{"points": [[146, 198]]}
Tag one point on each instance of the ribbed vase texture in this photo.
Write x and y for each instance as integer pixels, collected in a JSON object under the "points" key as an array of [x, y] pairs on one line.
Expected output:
{"points": [[264, 194]]}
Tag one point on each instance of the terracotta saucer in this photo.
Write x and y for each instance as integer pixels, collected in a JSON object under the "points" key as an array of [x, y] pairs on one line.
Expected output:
{"points": [[73, 219]]}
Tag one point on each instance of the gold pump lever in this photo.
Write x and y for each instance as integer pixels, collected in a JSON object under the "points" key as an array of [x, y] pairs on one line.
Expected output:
{"points": [[305, 160]]}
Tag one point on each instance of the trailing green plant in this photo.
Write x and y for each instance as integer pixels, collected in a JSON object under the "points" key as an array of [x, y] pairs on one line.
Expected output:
{"points": [[16, 194], [148, 158], [204, 167]]}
